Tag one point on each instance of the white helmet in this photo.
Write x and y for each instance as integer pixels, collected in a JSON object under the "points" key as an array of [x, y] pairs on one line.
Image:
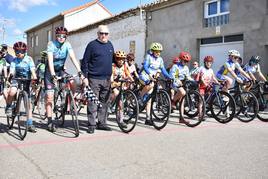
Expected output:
{"points": [[234, 53]]}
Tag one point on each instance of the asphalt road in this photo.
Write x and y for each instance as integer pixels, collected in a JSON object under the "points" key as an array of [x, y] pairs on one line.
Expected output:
{"points": [[211, 150]]}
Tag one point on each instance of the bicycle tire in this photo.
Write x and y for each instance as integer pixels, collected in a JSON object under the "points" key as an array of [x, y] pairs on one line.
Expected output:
{"points": [[189, 105], [69, 100], [11, 120], [226, 117], [130, 111], [22, 111], [161, 103], [251, 101], [262, 114], [59, 105], [40, 104]]}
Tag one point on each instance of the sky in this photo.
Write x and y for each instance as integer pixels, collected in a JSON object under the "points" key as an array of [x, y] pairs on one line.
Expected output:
{"points": [[17, 16]]}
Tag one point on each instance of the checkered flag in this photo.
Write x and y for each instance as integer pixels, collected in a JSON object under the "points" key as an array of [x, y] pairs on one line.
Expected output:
{"points": [[89, 94]]}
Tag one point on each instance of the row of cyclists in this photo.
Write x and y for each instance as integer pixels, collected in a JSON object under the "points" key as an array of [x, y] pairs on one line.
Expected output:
{"points": [[52, 66]]}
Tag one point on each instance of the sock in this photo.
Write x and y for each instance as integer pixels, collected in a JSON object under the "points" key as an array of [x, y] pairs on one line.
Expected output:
{"points": [[29, 122], [49, 120]]}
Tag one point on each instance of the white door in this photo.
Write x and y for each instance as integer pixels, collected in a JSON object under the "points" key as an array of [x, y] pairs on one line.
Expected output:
{"points": [[219, 51]]}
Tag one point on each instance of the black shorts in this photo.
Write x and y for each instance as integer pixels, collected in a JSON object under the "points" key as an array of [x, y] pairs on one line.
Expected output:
{"points": [[26, 86], [49, 85]]}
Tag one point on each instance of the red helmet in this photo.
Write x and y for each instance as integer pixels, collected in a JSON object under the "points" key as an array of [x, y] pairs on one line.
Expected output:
{"points": [[185, 56], [176, 60], [61, 30], [20, 46], [208, 59]]}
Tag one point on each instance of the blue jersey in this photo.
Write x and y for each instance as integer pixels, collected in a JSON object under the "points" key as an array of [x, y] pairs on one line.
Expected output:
{"points": [[22, 67], [60, 53], [179, 71], [229, 64]]}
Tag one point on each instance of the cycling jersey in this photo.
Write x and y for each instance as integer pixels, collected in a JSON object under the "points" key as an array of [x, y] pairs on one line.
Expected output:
{"points": [[41, 70], [224, 69], [252, 69], [60, 53], [151, 66], [22, 68], [132, 69], [121, 72], [206, 75], [180, 71]]}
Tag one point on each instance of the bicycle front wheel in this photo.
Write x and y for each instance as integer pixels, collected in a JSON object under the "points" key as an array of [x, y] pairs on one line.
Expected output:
{"points": [[127, 111], [72, 110], [160, 109], [22, 114], [59, 105], [247, 106], [192, 108], [40, 103], [222, 107]]}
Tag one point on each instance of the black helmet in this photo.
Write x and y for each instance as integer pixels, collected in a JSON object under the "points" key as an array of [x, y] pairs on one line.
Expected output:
{"points": [[254, 60]]}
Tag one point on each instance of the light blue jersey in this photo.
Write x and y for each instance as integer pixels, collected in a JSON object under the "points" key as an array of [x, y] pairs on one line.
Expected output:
{"points": [[60, 53], [22, 68]]}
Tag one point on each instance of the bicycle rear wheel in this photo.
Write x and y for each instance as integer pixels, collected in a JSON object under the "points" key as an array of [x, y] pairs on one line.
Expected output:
{"points": [[72, 110], [160, 109], [247, 106], [192, 106], [40, 103], [222, 107], [22, 114], [127, 111]]}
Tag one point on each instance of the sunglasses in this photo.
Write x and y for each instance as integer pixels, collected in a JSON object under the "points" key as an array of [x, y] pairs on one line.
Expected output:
{"points": [[20, 51], [194, 64], [104, 33], [61, 36]]}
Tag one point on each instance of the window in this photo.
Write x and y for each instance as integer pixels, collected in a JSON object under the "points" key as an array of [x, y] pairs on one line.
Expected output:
{"points": [[216, 8], [32, 42], [222, 39], [49, 35], [211, 40], [216, 13], [36, 40]]}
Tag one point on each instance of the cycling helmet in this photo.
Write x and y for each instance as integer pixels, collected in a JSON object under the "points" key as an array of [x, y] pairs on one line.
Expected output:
{"points": [[120, 54], [20, 46], [208, 59], [61, 30], [175, 60], [234, 53], [254, 60], [185, 56], [155, 46], [130, 57], [43, 54]]}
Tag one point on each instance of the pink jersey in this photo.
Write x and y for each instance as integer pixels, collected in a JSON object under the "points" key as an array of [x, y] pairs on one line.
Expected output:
{"points": [[206, 75]]}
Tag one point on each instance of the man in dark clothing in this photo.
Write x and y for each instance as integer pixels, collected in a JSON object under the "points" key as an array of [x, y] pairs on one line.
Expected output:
{"points": [[96, 65], [9, 58]]}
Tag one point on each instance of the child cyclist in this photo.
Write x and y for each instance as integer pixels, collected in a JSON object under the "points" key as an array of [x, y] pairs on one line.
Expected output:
{"points": [[253, 68], [3, 69], [153, 64], [119, 71], [206, 76], [180, 72], [21, 67], [131, 66], [229, 67]]}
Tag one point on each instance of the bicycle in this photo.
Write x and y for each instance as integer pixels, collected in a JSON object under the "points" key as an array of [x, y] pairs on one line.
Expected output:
{"points": [[160, 104], [20, 109], [258, 91], [221, 105], [64, 102], [38, 99], [125, 103], [192, 105], [247, 105], [80, 100]]}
